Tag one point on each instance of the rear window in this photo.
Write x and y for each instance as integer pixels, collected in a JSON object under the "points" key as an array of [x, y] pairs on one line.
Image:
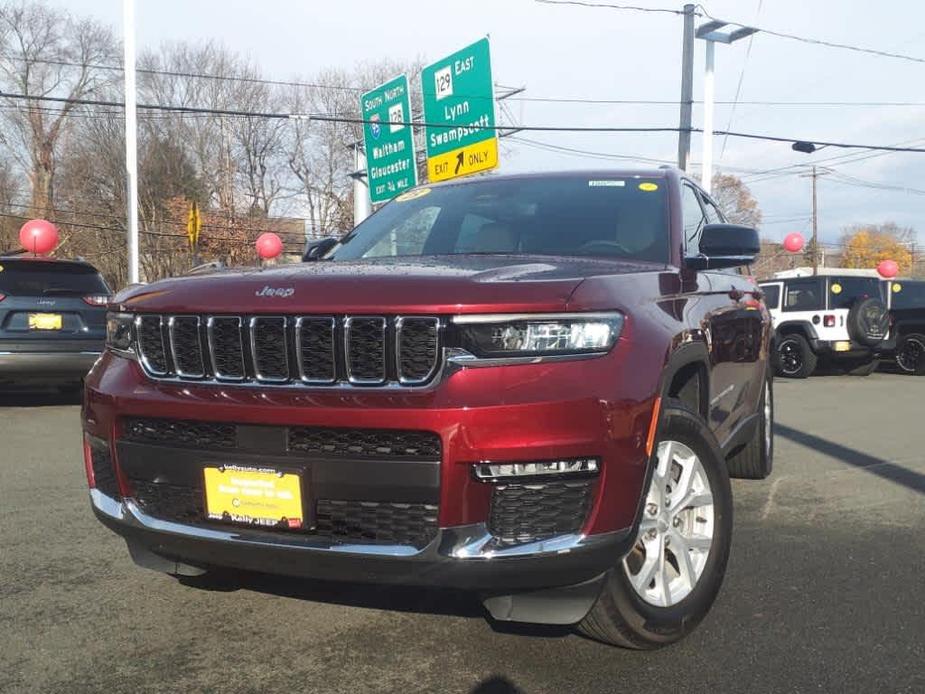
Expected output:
{"points": [[23, 278], [804, 295], [845, 291]]}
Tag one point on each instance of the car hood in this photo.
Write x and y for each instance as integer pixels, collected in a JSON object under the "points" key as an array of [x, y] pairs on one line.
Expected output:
{"points": [[438, 284]]}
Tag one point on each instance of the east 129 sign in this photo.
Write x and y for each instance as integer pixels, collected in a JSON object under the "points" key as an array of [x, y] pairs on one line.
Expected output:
{"points": [[387, 135], [459, 110]]}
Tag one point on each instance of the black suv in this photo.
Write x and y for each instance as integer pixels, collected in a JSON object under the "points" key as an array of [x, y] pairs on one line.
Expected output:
{"points": [[52, 321], [907, 330]]}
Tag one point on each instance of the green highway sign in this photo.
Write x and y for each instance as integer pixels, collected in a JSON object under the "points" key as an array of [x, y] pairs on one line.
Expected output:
{"points": [[387, 135], [459, 110]]}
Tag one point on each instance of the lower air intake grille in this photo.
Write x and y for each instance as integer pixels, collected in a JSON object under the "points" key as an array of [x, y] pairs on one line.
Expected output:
{"points": [[527, 512], [376, 522], [377, 443], [104, 474], [179, 432], [172, 502]]}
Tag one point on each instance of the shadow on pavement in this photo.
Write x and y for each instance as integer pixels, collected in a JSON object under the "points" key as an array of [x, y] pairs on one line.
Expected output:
{"points": [[864, 461], [37, 398], [392, 598], [496, 684]]}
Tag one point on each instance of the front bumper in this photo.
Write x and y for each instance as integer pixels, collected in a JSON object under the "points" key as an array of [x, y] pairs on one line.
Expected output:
{"points": [[46, 367], [463, 557]]}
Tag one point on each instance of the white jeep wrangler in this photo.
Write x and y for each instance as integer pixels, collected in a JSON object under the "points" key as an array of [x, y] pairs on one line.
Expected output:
{"points": [[838, 316]]}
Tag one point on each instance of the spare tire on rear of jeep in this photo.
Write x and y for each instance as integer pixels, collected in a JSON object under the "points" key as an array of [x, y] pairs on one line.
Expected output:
{"points": [[868, 322]]}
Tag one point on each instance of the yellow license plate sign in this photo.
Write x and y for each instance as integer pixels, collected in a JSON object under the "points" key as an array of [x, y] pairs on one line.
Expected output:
{"points": [[257, 496], [843, 346], [44, 321]]}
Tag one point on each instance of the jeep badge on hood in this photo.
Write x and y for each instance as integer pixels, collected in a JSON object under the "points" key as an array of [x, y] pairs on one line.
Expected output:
{"points": [[282, 292]]}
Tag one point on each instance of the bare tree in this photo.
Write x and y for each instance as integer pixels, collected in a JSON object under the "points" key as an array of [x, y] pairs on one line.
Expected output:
{"points": [[46, 52], [736, 200]]}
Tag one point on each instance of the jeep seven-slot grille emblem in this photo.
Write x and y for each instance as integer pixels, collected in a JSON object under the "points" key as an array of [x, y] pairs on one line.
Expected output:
{"points": [[284, 350]]}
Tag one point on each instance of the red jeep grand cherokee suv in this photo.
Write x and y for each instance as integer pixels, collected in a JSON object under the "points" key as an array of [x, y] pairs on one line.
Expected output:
{"points": [[532, 387]]}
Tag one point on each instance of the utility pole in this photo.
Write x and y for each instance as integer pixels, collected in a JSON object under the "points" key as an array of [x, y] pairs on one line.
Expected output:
{"points": [[687, 88], [131, 137], [815, 175]]}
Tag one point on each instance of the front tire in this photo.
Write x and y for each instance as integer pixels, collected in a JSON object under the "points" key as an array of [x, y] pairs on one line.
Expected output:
{"points": [[668, 581], [794, 357]]}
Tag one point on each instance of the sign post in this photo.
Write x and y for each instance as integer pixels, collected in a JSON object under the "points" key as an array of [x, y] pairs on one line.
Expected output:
{"points": [[459, 110], [389, 140]]}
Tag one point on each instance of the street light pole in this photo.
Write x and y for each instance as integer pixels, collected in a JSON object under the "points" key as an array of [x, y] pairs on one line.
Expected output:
{"points": [[711, 33], [708, 93], [131, 137]]}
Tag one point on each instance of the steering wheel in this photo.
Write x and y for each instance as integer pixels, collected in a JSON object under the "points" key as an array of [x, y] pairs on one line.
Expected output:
{"points": [[602, 247]]}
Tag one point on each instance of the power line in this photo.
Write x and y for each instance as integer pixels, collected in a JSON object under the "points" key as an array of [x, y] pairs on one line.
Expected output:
{"points": [[769, 32], [333, 118], [732, 111]]}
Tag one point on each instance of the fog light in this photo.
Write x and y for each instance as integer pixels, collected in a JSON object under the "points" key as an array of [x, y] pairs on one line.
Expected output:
{"points": [[502, 471]]}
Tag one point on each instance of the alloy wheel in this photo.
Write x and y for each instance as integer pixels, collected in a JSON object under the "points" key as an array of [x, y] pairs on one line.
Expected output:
{"points": [[791, 358], [676, 530], [911, 355]]}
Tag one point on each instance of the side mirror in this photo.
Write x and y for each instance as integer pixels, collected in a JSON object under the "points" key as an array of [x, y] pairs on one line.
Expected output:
{"points": [[316, 250], [725, 245]]}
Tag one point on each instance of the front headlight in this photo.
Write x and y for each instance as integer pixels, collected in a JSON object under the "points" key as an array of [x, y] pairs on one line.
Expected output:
{"points": [[120, 332], [540, 334]]}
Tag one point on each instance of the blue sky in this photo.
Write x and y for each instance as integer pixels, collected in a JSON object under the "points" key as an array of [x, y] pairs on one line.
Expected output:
{"points": [[569, 51]]}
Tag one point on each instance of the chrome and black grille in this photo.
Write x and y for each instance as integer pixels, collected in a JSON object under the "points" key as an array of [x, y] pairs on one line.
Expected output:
{"points": [[286, 350], [527, 511], [104, 474]]}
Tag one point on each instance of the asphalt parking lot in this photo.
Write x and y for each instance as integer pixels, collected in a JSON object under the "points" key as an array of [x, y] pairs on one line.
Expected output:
{"points": [[824, 591]]}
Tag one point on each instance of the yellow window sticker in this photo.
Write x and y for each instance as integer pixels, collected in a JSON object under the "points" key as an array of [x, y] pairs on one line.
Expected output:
{"points": [[897, 287], [836, 288], [648, 187], [1, 268], [413, 194]]}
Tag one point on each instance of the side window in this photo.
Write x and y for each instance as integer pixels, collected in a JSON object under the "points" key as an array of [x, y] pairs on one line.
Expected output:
{"points": [[692, 215], [804, 295], [714, 216], [771, 295]]}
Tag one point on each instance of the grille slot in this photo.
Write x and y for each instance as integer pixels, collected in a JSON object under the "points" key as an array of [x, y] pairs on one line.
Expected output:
{"points": [[291, 350], [416, 348], [315, 345], [269, 348], [186, 346], [376, 522], [150, 333], [172, 502], [527, 512], [104, 474], [179, 432], [379, 443], [364, 338], [226, 347]]}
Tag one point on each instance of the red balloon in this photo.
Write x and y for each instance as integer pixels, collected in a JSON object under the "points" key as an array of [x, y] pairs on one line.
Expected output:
{"points": [[38, 236], [269, 245], [793, 242], [887, 268]]}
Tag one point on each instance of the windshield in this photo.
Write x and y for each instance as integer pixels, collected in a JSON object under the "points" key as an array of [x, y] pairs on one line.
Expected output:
{"points": [[618, 217], [23, 278]]}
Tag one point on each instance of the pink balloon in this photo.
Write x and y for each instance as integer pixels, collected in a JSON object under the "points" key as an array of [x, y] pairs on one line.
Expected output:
{"points": [[793, 242], [269, 245], [887, 268], [38, 236]]}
